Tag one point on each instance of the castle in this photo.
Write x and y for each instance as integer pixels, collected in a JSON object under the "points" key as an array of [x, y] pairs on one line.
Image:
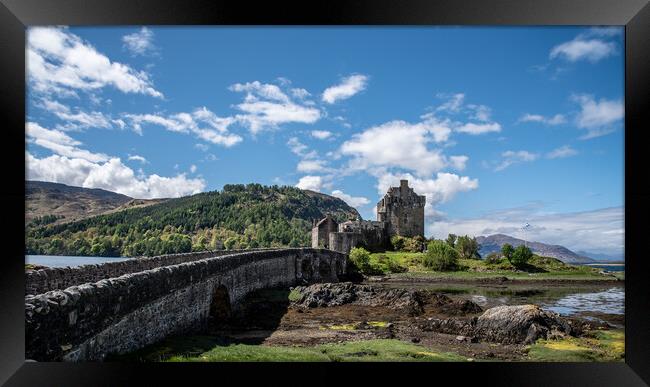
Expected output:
{"points": [[399, 212]]}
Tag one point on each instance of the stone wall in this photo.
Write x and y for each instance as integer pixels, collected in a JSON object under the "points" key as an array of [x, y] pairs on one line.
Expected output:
{"points": [[320, 232], [343, 242], [119, 315], [40, 281]]}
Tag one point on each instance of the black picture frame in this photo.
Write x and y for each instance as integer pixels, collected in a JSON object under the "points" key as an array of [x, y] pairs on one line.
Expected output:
{"points": [[15, 15]]}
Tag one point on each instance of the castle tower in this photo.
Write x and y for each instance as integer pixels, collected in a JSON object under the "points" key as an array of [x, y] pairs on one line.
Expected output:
{"points": [[403, 210]]}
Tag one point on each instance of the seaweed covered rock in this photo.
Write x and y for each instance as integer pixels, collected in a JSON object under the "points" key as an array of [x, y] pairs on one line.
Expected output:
{"points": [[336, 294], [520, 324]]}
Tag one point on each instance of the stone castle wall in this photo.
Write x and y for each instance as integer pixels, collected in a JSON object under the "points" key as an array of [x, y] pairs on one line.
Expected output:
{"points": [[121, 314], [403, 209], [40, 281], [343, 242]]}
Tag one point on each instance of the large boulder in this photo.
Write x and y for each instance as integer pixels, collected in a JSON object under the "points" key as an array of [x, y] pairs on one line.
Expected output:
{"points": [[519, 324]]}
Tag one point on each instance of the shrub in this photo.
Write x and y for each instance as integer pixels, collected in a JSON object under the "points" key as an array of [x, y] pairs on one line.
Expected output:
{"points": [[415, 244], [394, 267], [451, 240], [397, 242], [493, 258], [411, 245], [521, 256], [507, 250], [467, 247], [440, 256], [360, 259]]}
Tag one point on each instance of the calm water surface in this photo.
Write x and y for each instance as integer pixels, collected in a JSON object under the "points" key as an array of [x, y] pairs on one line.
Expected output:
{"points": [[600, 302], [63, 260]]}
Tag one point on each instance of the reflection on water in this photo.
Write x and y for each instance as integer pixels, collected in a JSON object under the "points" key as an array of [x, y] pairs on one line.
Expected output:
{"points": [[611, 301]]}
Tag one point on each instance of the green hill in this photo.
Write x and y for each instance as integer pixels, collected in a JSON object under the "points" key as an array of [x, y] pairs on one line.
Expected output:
{"points": [[239, 216]]}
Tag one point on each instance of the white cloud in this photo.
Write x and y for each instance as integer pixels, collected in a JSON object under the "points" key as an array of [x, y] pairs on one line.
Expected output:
{"points": [[348, 87], [399, 144], [138, 158], [313, 183], [111, 175], [472, 128], [580, 48], [202, 123], [266, 106], [61, 62], [301, 149], [321, 134], [458, 162], [353, 201], [311, 166], [514, 157], [79, 120], [309, 162], [598, 117], [202, 147], [140, 43], [300, 93], [557, 119], [60, 143], [192, 168], [454, 102], [562, 152], [599, 230]]}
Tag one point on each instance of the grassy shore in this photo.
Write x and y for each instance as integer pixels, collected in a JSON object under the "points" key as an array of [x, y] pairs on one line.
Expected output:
{"points": [[205, 349], [539, 268], [598, 346]]}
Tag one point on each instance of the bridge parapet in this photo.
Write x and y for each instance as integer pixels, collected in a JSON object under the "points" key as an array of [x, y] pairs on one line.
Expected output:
{"points": [[43, 280], [121, 314]]}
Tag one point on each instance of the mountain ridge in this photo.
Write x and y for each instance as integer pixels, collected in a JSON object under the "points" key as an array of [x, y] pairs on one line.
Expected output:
{"points": [[238, 216], [64, 203], [493, 243]]}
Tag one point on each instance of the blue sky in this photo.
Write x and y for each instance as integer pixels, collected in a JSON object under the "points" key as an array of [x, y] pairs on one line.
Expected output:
{"points": [[496, 126]]}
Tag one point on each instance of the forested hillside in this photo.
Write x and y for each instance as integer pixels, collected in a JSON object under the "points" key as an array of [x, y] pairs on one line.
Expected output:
{"points": [[239, 216]]}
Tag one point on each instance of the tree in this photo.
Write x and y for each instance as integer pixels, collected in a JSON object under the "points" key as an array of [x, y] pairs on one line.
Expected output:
{"points": [[521, 256], [507, 250], [451, 240], [467, 247], [440, 256], [360, 258]]}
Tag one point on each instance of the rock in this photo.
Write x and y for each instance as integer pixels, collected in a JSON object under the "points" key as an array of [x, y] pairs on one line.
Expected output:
{"points": [[519, 324], [461, 338], [336, 294]]}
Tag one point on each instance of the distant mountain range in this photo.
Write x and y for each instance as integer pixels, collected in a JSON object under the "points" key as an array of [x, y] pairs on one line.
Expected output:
{"points": [[69, 203], [493, 243]]}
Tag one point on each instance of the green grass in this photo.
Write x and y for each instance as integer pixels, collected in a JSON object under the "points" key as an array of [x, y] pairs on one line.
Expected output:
{"points": [[597, 346], [538, 268], [206, 349], [294, 295]]}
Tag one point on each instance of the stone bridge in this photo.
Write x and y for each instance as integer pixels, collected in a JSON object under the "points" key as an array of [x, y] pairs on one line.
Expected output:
{"points": [[88, 312]]}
